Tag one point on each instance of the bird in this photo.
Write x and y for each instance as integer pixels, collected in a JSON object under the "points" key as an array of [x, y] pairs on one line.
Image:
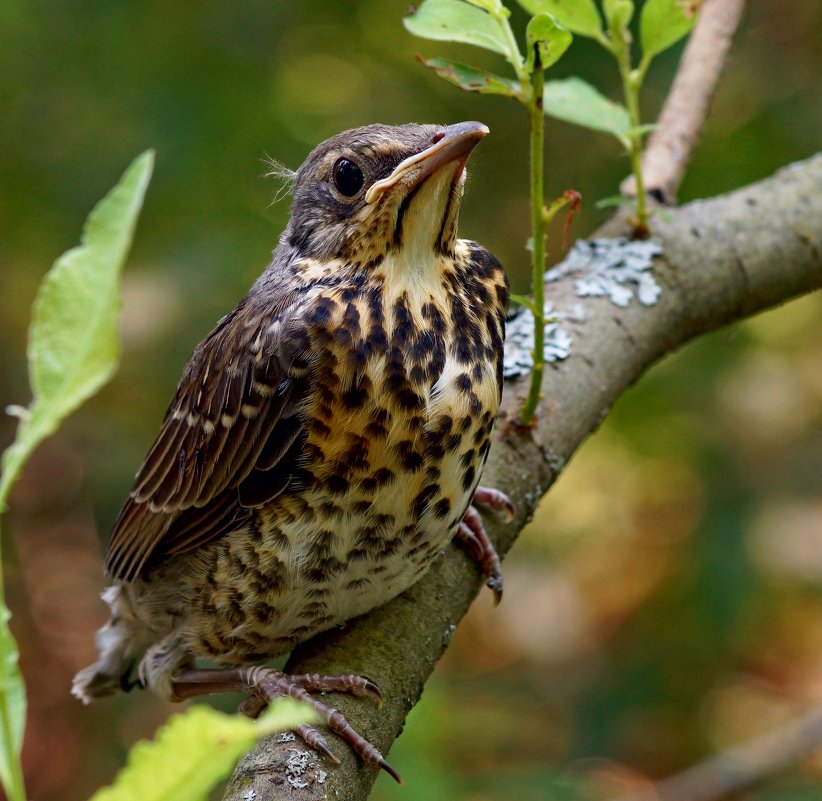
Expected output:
{"points": [[326, 440]]}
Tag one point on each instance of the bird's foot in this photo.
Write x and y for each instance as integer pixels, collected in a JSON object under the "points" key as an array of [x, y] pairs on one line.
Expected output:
{"points": [[265, 684], [472, 534], [495, 501]]}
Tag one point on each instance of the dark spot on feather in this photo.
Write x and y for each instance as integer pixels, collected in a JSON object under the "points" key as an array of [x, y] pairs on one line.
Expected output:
{"points": [[468, 478], [409, 400], [423, 498], [463, 382], [356, 395], [377, 337], [441, 508], [320, 312], [431, 313], [376, 431], [331, 510], [318, 427], [453, 442], [337, 484], [380, 478]]}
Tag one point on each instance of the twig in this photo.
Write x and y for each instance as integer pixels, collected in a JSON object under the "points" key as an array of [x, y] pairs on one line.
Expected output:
{"points": [[672, 142], [723, 259], [742, 766]]}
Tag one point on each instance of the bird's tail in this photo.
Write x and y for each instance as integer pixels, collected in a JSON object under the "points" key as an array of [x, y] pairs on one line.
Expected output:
{"points": [[121, 643]]}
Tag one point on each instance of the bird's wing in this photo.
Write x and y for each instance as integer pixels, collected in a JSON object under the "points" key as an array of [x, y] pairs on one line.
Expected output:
{"points": [[234, 420]]}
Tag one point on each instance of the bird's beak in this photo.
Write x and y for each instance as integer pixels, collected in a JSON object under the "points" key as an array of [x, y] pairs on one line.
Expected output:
{"points": [[456, 143]]}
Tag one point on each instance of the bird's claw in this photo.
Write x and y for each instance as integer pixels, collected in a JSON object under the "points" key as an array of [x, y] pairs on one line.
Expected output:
{"points": [[495, 501], [265, 684], [471, 532]]}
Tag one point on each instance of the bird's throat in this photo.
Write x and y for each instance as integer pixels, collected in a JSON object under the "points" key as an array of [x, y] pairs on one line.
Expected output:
{"points": [[425, 230]]}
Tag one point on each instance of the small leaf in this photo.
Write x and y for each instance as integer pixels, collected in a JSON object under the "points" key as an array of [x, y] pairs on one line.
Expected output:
{"points": [[576, 101], [578, 16], [491, 6], [469, 78], [73, 340], [522, 300], [456, 21], [665, 22], [619, 14], [614, 200], [195, 750], [12, 709], [552, 39], [73, 350]]}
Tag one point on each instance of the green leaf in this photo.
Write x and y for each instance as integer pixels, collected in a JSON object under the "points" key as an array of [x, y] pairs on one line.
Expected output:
{"points": [[195, 750], [619, 14], [456, 21], [494, 7], [574, 100], [664, 22], [471, 79], [73, 340], [614, 200], [73, 350], [553, 40], [578, 16], [12, 711], [522, 300]]}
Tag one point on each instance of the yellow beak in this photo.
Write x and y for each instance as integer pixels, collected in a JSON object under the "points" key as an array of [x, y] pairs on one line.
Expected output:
{"points": [[456, 142]]}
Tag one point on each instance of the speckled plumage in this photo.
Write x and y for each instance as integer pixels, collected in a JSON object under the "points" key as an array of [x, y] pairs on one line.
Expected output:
{"points": [[327, 436]]}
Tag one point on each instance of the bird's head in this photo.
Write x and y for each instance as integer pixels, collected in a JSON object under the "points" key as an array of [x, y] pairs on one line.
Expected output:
{"points": [[374, 190]]}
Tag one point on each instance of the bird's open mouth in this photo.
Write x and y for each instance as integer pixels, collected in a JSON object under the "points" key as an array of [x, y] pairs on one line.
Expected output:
{"points": [[455, 144]]}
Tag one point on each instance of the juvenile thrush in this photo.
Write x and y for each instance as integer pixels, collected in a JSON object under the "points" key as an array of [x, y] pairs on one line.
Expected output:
{"points": [[326, 439]]}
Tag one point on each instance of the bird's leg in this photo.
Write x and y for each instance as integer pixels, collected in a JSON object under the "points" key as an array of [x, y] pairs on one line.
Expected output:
{"points": [[265, 684], [472, 534]]}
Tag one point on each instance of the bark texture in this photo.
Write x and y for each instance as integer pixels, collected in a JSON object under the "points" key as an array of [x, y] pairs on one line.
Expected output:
{"points": [[723, 259]]}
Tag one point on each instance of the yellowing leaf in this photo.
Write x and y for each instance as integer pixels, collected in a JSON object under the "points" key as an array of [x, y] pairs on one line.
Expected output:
{"points": [[471, 79], [195, 750]]}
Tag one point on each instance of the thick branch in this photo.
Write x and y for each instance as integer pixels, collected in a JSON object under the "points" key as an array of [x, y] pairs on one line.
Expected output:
{"points": [[724, 259], [671, 144]]}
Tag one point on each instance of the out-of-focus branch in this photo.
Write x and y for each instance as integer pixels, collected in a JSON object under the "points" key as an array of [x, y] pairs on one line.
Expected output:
{"points": [[740, 767], [723, 259], [670, 145]]}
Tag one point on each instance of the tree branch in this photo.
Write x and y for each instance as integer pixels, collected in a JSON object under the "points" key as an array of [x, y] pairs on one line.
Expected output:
{"points": [[723, 259], [671, 144], [740, 767]]}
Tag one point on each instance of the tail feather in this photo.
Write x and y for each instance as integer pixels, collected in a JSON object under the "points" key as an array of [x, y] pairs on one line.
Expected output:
{"points": [[121, 643]]}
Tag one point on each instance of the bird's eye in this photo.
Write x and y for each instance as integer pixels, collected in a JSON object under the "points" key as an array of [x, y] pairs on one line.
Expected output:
{"points": [[348, 177]]}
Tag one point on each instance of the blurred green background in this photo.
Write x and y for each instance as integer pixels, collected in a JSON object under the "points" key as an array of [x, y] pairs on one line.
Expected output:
{"points": [[664, 604]]}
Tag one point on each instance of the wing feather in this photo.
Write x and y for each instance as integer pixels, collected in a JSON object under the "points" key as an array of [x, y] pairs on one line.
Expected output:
{"points": [[235, 414]]}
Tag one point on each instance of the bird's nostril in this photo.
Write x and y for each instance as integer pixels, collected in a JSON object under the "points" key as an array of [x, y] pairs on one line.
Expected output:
{"points": [[437, 137]]}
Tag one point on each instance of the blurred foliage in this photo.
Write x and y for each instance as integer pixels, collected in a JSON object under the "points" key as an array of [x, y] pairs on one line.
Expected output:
{"points": [[666, 601]]}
